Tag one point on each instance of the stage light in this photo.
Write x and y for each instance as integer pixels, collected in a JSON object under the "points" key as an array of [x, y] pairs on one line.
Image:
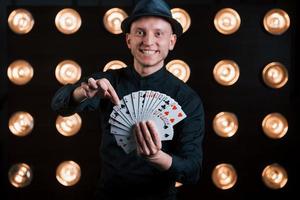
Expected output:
{"points": [[179, 69], [276, 21], [112, 20], [225, 124], [227, 21], [68, 173], [20, 175], [178, 184], [20, 21], [21, 123], [114, 64], [69, 125], [224, 176], [20, 72], [275, 75], [182, 17], [68, 21], [68, 71], [226, 72], [274, 176], [275, 125]]}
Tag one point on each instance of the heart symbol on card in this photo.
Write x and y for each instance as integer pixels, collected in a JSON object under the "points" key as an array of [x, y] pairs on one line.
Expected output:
{"points": [[174, 107], [180, 114], [166, 113], [172, 120]]}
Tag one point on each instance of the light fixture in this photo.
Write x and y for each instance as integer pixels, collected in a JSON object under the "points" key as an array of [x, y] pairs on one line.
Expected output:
{"points": [[275, 125], [20, 175], [114, 64], [224, 176], [112, 20], [20, 21], [274, 176], [225, 124], [226, 72], [68, 173], [20, 72], [179, 69], [21, 123], [182, 17], [275, 75], [68, 21], [227, 21], [276, 21], [69, 125], [68, 71]]}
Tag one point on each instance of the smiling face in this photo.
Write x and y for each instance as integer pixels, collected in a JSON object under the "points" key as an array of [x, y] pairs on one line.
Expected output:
{"points": [[150, 40]]}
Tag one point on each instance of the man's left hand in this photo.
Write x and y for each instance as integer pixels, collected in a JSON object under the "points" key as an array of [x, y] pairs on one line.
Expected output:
{"points": [[149, 145]]}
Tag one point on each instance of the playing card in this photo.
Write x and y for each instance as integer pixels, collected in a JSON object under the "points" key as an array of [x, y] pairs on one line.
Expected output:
{"points": [[127, 143], [138, 106]]}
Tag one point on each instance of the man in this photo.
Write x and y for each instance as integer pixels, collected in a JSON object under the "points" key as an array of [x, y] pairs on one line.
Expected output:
{"points": [[151, 171]]}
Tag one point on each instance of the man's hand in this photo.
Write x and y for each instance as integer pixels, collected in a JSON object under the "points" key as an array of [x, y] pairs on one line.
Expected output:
{"points": [[149, 145], [94, 87]]}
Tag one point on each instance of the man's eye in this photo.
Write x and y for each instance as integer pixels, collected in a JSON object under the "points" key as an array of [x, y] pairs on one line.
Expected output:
{"points": [[158, 34], [139, 33]]}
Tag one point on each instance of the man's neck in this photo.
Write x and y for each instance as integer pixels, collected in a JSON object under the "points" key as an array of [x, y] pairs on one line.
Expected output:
{"points": [[146, 70]]}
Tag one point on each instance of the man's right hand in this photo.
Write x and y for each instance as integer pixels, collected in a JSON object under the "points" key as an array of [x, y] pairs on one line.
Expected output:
{"points": [[94, 87]]}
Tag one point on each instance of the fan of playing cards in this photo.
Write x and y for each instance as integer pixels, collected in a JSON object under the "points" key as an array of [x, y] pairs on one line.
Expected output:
{"points": [[142, 106]]}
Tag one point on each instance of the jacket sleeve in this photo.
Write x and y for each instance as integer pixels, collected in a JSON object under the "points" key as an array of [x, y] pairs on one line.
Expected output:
{"points": [[188, 154]]}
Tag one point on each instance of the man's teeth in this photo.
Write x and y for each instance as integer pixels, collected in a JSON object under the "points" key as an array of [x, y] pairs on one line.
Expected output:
{"points": [[148, 52]]}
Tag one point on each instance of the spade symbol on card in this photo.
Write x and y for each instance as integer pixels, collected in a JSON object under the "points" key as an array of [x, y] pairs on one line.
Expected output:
{"points": [[165, 126], [167, 102], [122, 105]]}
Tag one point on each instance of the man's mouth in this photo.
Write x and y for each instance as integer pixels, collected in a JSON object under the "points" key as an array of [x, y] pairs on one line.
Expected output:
{"points": [[148, 52]]}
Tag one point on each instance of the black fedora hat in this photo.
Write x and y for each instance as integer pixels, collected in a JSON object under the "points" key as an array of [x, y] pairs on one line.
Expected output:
{"points": [[157, 8]]}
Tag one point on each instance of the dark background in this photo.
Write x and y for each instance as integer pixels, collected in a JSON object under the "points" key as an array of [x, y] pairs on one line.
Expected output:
{"points": [[201, 47]]}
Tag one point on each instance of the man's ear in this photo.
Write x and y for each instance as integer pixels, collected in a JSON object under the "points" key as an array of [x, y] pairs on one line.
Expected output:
{"points": [[173, 40], [128, 40]]}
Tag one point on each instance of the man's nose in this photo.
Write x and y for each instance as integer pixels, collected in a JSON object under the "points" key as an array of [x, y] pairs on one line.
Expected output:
{"points": [[148, 39]]}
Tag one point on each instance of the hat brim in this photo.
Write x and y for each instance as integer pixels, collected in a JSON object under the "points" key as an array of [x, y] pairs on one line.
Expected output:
{"points": [[176, 26]]}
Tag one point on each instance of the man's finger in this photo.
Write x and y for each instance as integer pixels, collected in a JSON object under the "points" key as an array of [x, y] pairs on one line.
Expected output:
{"points": [[148, 138], [154, 134], [140, 140], [92, 83], [113, 95]]}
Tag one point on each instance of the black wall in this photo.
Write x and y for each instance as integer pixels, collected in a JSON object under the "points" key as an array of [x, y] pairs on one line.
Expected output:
{"points": [[249, 150]]}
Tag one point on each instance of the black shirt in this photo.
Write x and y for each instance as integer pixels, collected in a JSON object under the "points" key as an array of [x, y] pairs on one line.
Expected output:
{"points": [[128, 175]]}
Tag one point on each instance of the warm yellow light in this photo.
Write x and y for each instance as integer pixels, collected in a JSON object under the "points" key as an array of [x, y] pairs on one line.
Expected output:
{"points": [[276, 21], [275, 75], [114, 64], [275, 125], [225, 124], [68, 173], [227, 21], [112, 20], [68, 71], [274, 176], [20, 72], [226, 72], [20, 175], [20, 21], [69, 125], [21, 123], [179, 69], [68, 21], [182, 17], [224, 176]]}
